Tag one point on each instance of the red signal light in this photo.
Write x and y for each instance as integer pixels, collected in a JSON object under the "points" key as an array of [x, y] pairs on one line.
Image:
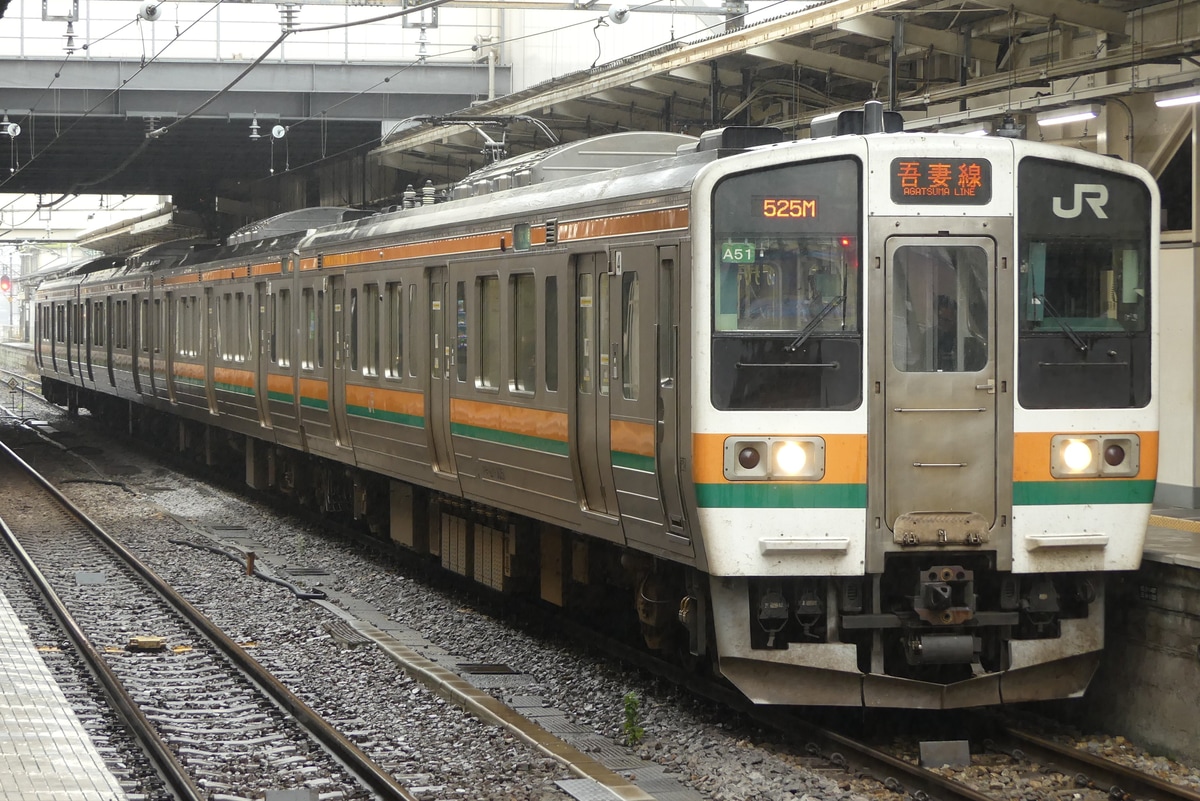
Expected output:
{"points": [[5, 283], [847, 241]]}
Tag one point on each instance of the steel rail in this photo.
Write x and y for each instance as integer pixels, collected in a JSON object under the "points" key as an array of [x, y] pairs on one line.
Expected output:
{"points": [[1120, 781], [372, 775], [127, 709]]}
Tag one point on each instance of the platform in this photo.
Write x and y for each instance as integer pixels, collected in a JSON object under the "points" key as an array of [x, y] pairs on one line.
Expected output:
{"points": [[1173, 537], [45, 753]]}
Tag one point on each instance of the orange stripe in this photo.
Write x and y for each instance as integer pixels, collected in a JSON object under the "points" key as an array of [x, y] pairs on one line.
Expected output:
{"points": [[185, 370], [280, 383], [635, 438], [312, 388], [266, 268], [396, 401], [235, 378], [845, 458], [664, 220], [513, 419], [1031, 455]]}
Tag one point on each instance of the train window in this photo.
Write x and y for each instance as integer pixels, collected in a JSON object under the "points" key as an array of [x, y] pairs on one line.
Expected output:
{"points": [[285, 330], [460, 327], [1083, 283], [524, 332], [787, 291], [309, 312], [490, 346], [183, 337], [412, 302], [145, 331], [273, 328], [631, 349], [98, 338], [551, 333], [395, 330], [602, 294], [521, 236], [353, 329], [320, 315], [60, 323], [244, 322], [371, 303], [160, 325], [584, 327], [77, 323], [940, 312]]}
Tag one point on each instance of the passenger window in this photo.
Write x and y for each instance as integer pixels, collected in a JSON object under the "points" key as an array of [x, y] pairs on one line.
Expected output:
{"points": [[371, 301], [551, 337], [285, 327], [354, 329], [395, 326], [630, 338], [524, 350], [489, 332], [309, 357], [460, 329]]}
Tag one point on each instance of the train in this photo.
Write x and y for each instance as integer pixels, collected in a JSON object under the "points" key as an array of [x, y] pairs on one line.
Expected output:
{"points": [[865, 419]]}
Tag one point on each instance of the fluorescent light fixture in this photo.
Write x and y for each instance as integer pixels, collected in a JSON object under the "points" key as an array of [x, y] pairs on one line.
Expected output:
{"points": [[1177, 97], [979, 128], [1061, 116]]}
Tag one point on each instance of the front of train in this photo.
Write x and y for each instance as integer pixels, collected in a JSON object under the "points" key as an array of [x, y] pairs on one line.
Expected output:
{"points": [[924, 424]]}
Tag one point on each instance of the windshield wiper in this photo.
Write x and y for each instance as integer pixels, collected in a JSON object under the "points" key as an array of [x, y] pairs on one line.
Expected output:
{"points": [[806, 332], [1066, 329]]}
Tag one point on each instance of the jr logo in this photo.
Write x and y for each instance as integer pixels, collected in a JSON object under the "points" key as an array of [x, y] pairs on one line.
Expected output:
{"points": [[1095, 195]]}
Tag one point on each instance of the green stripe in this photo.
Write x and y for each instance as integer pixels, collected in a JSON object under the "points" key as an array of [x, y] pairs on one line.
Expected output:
{"points": [[1075, 491], [234, 388], [543, 444], [414, 420], [281, 397], [633, 461], [314, 403], [765, 495]]}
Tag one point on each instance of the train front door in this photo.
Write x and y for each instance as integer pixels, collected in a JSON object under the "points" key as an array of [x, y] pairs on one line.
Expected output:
{"points": [[442, 344], [940, 390], [593, 382]]}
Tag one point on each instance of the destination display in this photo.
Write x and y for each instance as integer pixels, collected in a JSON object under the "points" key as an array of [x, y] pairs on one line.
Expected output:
{"points": [[941, 181]]}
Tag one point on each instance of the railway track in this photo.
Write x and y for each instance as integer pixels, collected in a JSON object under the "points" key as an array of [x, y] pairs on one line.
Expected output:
{"points": [[888, 773], [211, 718]]}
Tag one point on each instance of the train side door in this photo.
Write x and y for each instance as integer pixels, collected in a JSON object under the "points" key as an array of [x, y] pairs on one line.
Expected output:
{"points": [[667, 417], [209, 340], [138, 324], [260, 336], [337, 374], [593, 371], [940, 390], [108, 340], [441, 344], [169, 343]]}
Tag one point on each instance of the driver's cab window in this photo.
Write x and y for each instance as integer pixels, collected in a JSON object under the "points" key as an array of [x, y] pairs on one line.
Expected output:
{"points": [[940, 309]]}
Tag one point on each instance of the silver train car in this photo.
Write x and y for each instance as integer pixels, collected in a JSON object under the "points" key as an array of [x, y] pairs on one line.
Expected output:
{"points": [[861, 420]]}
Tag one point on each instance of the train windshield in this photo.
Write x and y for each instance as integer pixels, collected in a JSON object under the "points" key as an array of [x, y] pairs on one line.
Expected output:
{"points": [[1083, 288], [786, 288]]}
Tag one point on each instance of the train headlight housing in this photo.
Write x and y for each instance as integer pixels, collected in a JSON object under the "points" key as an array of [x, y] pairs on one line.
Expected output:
{"points": [[1092, 455], [774, 459]]}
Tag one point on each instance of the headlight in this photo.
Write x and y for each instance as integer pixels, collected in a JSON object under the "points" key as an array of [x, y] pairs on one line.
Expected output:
{"points": [[774, 458], [1091, 455], [789, 458], [1077, 455]]}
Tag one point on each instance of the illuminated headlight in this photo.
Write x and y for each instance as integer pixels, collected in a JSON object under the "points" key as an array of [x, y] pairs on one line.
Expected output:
{"points": [[774, 458], [789, 458], [1090, 455]]}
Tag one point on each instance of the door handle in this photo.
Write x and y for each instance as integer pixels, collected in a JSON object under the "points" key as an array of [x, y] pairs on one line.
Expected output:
{"points": [[989, 385]]}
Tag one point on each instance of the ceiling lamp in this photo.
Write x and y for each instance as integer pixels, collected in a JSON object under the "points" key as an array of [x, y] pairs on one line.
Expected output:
{"points": [[979, 128], [1061, 116], [1178, 97]]}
